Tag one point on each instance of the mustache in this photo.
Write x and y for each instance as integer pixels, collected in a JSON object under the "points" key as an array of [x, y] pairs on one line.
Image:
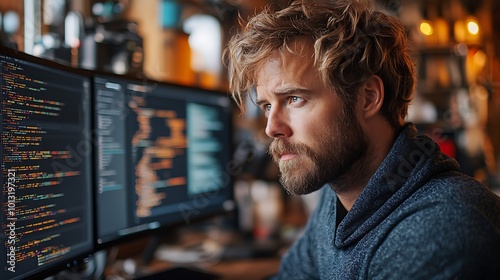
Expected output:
{"points": [[280, 146]]}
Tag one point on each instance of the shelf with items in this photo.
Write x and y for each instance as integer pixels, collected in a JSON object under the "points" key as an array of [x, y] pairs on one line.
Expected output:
{"points": [[451, 104]]}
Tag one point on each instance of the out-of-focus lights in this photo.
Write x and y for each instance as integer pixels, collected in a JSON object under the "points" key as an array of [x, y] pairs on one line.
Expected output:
{"points": [[462, 49], [472, 27], [480, 58], [10, 22], [426, 28], [205, 42]]}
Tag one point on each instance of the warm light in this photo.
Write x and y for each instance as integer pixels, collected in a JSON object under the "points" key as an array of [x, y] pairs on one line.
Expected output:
{"points": [[480, 59], [426, 28], [472, 27], [459, 31]]}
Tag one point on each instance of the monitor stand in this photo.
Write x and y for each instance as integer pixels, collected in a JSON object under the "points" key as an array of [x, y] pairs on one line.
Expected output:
{"points": [[154, 241]]}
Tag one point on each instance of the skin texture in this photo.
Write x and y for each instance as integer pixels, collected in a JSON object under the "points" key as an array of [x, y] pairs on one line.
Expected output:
{"points": [[317, 139]]}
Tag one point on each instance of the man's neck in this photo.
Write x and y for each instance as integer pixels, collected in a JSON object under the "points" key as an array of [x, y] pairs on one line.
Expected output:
{"points": [[350, 186]]}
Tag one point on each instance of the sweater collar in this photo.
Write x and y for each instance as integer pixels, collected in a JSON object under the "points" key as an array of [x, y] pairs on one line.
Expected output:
{"points": [[409, 164]]}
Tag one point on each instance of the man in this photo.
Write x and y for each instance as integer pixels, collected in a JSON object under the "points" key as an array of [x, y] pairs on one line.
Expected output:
{"points": [[334, 79]]}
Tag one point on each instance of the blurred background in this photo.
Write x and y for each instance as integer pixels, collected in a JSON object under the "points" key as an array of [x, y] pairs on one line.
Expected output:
{"points": [[456, 44]]}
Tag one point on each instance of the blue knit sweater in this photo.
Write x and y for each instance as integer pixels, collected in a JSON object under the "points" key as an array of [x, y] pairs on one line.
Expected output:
{"points": [[417, 218]]}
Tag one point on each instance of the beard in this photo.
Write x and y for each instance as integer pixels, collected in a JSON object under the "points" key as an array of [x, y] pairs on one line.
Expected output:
{"points": [[331, 156]]}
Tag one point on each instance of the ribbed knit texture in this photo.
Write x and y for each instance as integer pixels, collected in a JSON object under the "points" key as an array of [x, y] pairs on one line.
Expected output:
{"points": [[417, 218]]}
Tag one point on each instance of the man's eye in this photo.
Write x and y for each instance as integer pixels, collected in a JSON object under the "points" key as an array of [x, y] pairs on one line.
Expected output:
{"points": [[294, 99], [266, 107]]}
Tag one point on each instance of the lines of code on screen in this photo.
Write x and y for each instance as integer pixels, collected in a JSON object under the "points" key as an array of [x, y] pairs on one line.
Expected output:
{"points": [[46, 198], [162, 152]]}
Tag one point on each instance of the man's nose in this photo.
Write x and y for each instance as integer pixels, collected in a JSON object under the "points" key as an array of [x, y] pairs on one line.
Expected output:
{"points": [[277, 124]]}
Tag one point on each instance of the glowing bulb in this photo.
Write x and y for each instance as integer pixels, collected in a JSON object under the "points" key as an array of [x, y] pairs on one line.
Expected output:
{"points": [[472, 27], [426, 28]]}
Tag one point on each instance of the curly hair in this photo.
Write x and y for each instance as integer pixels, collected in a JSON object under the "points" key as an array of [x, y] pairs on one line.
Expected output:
{"points": [[352, 41]]}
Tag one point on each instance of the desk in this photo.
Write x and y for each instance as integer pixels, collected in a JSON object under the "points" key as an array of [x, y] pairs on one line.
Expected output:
{"points": [[227, 268], [242, 269], [247, 269]]}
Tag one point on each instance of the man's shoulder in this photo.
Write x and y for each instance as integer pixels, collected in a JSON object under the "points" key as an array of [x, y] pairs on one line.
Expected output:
{"points": [[442, 232], [454, 199], [450, 209], [460, 192]]}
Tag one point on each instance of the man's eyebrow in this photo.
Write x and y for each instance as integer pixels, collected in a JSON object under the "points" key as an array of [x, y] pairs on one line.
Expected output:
{"points": [[291, 90], [259, 102], [284, 91]]}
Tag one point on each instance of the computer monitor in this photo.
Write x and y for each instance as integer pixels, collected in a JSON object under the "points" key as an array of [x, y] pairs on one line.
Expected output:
{"points": [[46, 198], [163, 156]]}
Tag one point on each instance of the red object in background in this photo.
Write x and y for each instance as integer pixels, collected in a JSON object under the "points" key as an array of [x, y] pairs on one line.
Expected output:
{"points": [[448, 147]]}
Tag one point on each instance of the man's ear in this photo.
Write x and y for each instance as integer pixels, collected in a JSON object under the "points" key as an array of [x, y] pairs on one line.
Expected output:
{"points": [[371, 96]]}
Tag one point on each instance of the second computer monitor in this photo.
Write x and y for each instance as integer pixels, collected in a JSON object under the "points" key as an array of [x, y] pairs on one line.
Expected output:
{"points": [[163, 155]]}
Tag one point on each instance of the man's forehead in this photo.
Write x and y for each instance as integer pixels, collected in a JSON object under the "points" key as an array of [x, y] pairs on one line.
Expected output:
{"points": [[297, 47]]}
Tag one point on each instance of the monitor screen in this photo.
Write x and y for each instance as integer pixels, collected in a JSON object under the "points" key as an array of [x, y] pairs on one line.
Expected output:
{"points": [[47, 218], [163, 155]]}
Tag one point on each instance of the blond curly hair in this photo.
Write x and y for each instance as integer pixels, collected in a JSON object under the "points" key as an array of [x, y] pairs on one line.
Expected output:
{"points": [[352, 41]]}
